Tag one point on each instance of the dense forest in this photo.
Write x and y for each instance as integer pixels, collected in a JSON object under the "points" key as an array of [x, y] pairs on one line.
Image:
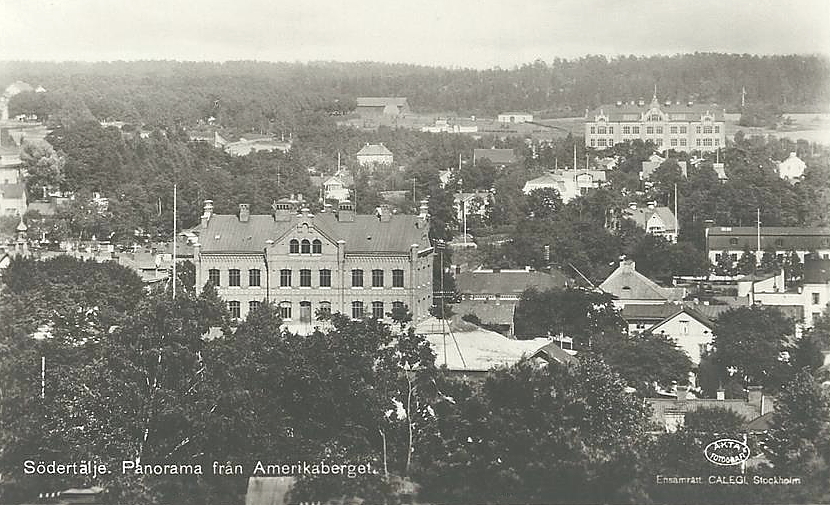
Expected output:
{"points": [[261, 95]]}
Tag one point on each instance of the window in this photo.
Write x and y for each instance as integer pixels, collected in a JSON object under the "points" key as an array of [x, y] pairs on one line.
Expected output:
{"points": [[658, 130], [233, 307], [683, 142], [233, 277], [717, 129], [816, 298], [682, 129], [673, 142], [707, 129], [397, 305], [593, 130], [305, 247], [285, 310], [779, 242], [325, 278], [316, 246], [377, 310], [697, 129], [654, 117], [697, 142], [377, 278], [649, 130], [253, 277], [717, 142], [357, 278], [397, 278], [285, 278], [733, 241], [718, 257], [610, 142], [593, 142], [601, 142], [601, 130], [294, 246], [213, 276], [673, 129], [707, 142], [325, 310], [305, 311], [733, 257], [610, 130], [626, 130], [635, 130], [357, 310], [253, 305], [305, 278], [659, 142]]}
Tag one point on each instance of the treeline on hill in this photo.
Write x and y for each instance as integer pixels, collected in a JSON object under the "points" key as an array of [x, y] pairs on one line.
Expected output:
{"points": [[259, 95]]}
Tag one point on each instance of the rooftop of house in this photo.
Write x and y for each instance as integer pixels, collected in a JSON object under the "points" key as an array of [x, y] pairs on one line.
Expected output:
{"points": [[495, 155], [381, 101], [641, 216], [657, 313], [508, 281], [626, 111], [374, 150], [627, 283], [552, 352], [366, 233], [816, 272], [778, 231], [488, 311]]}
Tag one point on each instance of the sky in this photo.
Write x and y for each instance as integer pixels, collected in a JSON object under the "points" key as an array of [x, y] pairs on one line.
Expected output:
{"points": [[450, 33]]}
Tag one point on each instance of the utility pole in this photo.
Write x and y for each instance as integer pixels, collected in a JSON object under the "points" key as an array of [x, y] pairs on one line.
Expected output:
{"points": [[175, 208], [676, 216]]}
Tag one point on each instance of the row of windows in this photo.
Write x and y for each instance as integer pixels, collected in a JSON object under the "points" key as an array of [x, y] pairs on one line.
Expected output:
{"points": [[652, 130], [324, 309], [323, 278], [305, 247]]}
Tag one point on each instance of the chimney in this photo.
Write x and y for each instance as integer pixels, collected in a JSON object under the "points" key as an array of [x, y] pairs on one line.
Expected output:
{"points": [[244, 212], [385, 215], [281, 211], [632, 205], [208, 212], [755, 396], [423, 210], [619, 103], [721, 394], [689, 103], [345, 212], [682, 391]]}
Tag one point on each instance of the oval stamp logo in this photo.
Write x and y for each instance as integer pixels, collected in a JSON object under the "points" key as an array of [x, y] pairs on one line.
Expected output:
{"points": [[726, 452]]}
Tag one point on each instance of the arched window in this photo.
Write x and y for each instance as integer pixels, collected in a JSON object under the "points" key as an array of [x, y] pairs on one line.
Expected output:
{"points": [[357, 309], [285, 310], [305, 311], [294, 246], [316, 246], [306, 247]]}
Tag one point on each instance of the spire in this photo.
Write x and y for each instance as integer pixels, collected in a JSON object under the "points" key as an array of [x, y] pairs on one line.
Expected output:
{"points": [[654, 102]]}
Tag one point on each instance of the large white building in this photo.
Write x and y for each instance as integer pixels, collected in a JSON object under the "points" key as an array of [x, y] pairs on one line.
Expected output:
{"points": [[306, 264], [688, 127]]}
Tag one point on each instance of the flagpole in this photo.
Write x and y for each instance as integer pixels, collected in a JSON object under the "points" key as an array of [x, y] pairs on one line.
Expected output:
{"points": [[174, 241]]}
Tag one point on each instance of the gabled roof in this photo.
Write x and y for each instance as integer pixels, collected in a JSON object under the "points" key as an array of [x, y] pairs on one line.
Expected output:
{"points": [[480, 350], [685, 309], [675, 112], [504, 156], [374, 150], [553, 352], [641, 216], [772, 237], [507, 281], [626, 283], [364, 234]]}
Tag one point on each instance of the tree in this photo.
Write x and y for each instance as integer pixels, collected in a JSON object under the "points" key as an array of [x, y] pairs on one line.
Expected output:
{"points": [[751, 344], [44, 168], [544, 203], [747, 262], [645, 361], [555, 434], [799, 435]]}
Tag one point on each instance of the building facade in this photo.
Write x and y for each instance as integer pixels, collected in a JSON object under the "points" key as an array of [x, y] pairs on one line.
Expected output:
{"points": [[374, 154], [733, 240], [680, 127], [305, 264], [515, 117]]}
